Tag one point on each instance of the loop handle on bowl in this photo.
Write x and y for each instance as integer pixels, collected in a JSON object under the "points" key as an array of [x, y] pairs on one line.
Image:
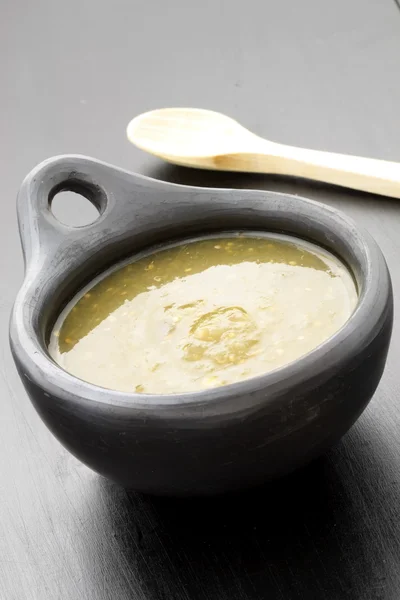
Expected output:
{"points": [[41, 232]]}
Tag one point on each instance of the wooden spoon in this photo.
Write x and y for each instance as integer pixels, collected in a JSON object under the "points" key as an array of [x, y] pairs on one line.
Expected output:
{"points": [[210, 140]]}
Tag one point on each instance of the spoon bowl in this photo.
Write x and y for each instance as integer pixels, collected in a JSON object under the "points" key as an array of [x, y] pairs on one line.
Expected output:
{"points": [[189, 136]]}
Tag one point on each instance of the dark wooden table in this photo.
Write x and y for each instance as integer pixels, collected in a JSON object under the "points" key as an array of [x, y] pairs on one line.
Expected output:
{"points": [[313, 73]]}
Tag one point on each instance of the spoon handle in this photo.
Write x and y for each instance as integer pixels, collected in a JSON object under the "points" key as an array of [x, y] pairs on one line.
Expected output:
{"points": [[366, 174]]}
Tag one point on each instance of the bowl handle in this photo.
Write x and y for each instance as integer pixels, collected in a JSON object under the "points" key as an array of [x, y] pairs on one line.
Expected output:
{"points": [[41, 233]]}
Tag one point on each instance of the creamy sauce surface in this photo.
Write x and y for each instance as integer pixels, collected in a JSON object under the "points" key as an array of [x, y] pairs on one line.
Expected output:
{"points": [[204, 314]]}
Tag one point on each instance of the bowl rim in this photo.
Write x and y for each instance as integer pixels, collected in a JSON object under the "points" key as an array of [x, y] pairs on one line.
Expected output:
{"points": [[36, 366]]}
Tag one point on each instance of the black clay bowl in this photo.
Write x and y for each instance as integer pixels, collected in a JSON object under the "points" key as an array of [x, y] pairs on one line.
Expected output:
{"points": [[209, 441]]}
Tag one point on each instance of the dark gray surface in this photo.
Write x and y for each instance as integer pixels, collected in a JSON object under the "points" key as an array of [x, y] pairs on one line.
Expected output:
{"points": [[313, 73]]}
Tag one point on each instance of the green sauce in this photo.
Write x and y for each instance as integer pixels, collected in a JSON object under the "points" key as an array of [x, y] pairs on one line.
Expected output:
{"points": [[204, 314]]}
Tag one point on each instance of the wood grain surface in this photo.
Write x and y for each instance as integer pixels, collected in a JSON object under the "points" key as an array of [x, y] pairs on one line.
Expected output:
{"points": [[316, 73]]}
